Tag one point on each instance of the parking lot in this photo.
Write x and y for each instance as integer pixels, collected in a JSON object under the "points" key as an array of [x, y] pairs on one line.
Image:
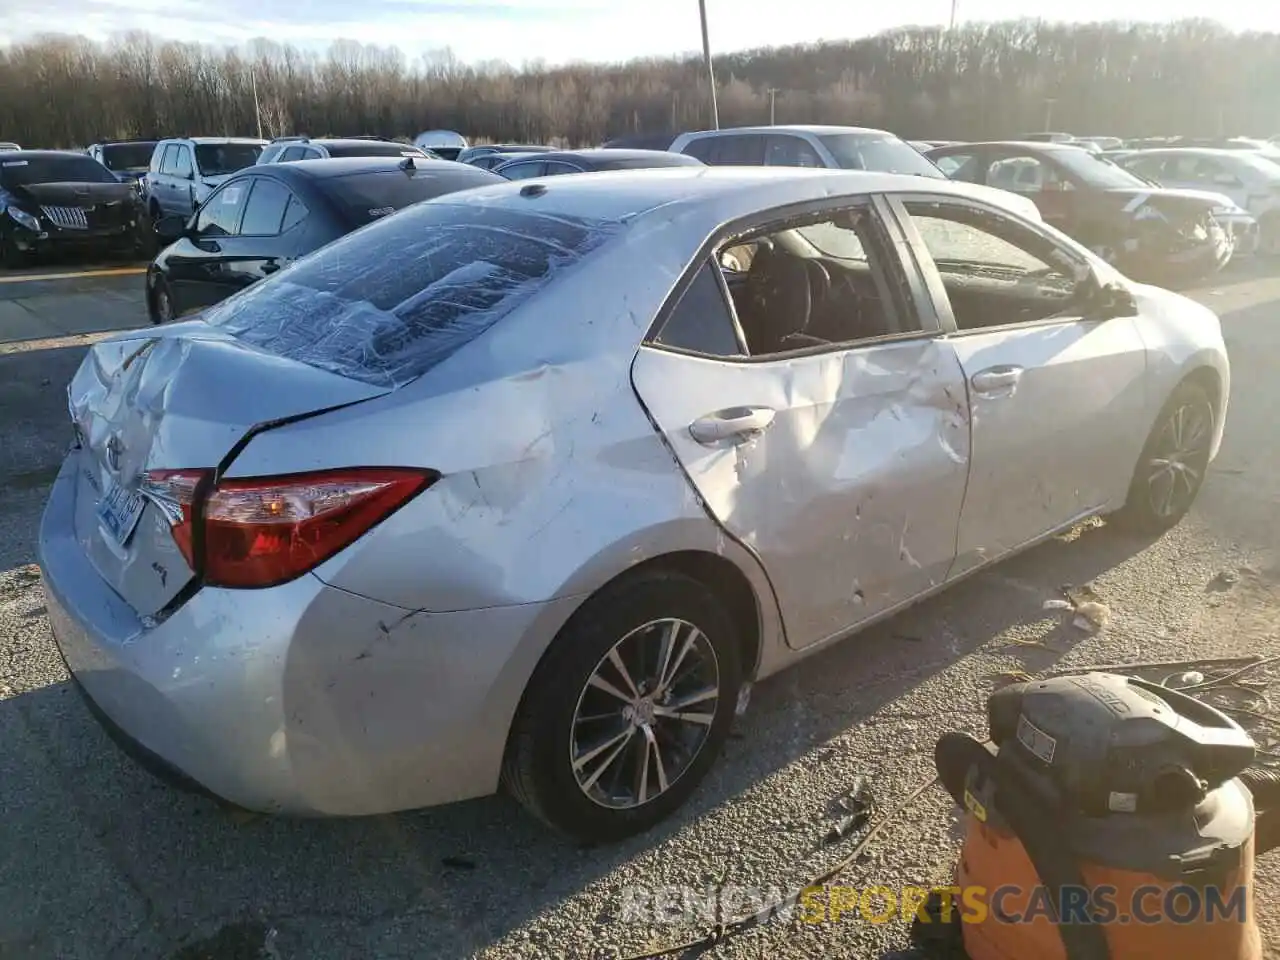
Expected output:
{"points": [[98, 860]]}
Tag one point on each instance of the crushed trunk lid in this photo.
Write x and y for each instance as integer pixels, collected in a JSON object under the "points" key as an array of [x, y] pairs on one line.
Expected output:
{"points": [[181, 399]]}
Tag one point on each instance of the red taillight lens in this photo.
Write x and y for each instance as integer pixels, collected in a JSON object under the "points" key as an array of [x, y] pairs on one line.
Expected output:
{"points": [[265, 531]]}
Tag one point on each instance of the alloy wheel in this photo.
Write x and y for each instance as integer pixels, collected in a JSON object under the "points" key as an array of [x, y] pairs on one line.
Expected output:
{"points": [[1179, 459], [645, 714]]}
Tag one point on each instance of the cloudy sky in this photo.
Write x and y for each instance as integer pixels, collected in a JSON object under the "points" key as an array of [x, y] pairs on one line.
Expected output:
{"points": [[559, 30]]}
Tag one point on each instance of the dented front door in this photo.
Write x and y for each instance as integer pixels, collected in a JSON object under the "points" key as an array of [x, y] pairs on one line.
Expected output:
{"points": [[844, 471]]}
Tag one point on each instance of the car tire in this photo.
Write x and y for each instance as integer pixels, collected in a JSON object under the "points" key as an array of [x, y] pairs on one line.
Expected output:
{"points": [[11, 258], [1176, 451], [160, 303], [564, 712], [1269, 235]]}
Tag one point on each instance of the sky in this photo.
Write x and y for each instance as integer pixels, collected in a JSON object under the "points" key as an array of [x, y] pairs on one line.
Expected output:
{"points": [[558, 31]]}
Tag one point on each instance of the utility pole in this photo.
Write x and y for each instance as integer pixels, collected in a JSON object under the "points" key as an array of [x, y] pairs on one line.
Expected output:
{"points": [[711, 73], [1048, 112], [773, 93], [953, 14], [257, 110]]}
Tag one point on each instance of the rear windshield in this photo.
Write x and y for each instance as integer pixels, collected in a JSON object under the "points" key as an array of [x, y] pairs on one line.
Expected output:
{"points": [[20, 171], [861, 151], [387, 303], [365, 197], [373, 148], [127, 156], [215, 159]]}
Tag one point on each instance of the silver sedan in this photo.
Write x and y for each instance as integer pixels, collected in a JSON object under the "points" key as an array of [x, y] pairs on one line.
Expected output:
{"points": [[526, 485]]}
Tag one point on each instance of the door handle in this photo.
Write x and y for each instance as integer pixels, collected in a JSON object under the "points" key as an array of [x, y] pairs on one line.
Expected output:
{"points": [[738, 424], [996, 379]]}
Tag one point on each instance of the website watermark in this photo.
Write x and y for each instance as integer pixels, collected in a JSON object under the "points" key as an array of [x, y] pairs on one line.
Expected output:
{"points": [[679, 905]]}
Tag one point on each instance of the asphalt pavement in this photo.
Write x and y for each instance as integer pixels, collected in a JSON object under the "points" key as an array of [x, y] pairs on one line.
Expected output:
{"points": [[98, 861]]}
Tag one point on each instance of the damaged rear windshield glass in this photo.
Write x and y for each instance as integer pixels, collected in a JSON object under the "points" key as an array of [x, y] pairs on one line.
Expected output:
{"points": [[387, 303]]}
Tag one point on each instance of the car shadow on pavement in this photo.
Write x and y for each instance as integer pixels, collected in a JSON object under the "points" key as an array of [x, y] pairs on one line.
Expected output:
{"points": [[118, 864]]}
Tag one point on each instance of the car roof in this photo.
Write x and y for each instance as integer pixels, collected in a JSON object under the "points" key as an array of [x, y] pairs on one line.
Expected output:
{"points": [[1043, 146], [345, 166], [612, 155], [345, 142], [815, 128], [12, 155], [711, 195], [1226, 154], [199, 140]]}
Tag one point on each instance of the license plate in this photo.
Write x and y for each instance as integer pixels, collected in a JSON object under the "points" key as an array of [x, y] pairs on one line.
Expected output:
{"points": [[119, 512]]}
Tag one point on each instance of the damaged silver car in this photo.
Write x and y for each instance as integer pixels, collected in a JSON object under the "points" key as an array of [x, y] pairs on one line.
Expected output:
{"points": [[527, 485]]}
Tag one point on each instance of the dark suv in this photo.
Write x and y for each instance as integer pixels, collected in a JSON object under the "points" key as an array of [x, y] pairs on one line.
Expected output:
{"points": [[52, 200], [127, 159]]}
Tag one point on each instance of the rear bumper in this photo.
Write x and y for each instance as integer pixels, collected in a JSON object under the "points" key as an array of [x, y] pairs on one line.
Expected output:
{"points": [[301, 699]]}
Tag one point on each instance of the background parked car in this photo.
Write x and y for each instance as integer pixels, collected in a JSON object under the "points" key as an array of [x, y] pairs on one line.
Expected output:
{"points": [[445, 144], [641, 141], [127, 159], [1248, 178], [184, 171], [288, 149], [264, 217], [469, 154], [1155, 233], [839, 148], [455, 501], [589, 161], [54, 200], [7, 146]]}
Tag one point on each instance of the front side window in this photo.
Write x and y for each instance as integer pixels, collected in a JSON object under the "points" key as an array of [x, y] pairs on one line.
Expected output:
{"points": [[524, 170], [1026, 174], [293, 153], [182, 162], [995, 270], [960, 166], [819, 282], [220, 215]]}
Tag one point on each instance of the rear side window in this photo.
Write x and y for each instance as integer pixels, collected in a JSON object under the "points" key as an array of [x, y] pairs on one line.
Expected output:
{"points": [[182, 163], [265, 208], [701, 321], [293, 153], [387, 303], [220, 215], [365, 197]]}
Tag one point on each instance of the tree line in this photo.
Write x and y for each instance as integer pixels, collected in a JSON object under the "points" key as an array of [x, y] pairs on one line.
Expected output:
{"points": [[976, 81]]}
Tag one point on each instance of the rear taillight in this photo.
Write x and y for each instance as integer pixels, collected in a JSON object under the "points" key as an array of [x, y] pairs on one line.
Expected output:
{"points": [[265, 531]]}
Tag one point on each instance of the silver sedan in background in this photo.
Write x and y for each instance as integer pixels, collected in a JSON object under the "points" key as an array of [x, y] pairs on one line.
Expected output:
{"points": [[527, 484]]}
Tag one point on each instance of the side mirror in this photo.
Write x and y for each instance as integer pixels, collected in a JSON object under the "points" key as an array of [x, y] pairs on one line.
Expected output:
{"points": [[171, 228], [1107, 301]]}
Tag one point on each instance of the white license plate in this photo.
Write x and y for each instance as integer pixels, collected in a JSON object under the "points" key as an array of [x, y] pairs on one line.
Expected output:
{"points": [[119, 512]]}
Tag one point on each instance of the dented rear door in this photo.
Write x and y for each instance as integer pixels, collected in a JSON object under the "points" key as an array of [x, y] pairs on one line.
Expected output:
{"points": [[844, 471]]}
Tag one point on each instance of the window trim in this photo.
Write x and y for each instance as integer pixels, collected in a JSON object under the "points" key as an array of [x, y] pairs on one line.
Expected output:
{"points": [[924, 265], [727, 233]]}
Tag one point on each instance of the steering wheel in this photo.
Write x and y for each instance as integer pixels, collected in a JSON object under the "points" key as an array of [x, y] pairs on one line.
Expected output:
{"points": [[781, 299]]}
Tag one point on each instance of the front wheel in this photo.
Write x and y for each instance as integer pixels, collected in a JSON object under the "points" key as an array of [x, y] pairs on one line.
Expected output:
{"points": [[1173, 463], [628, 710], [161, 303]]}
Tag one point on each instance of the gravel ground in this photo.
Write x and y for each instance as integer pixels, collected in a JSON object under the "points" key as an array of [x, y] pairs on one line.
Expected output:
{"points": [[99, 861]]}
